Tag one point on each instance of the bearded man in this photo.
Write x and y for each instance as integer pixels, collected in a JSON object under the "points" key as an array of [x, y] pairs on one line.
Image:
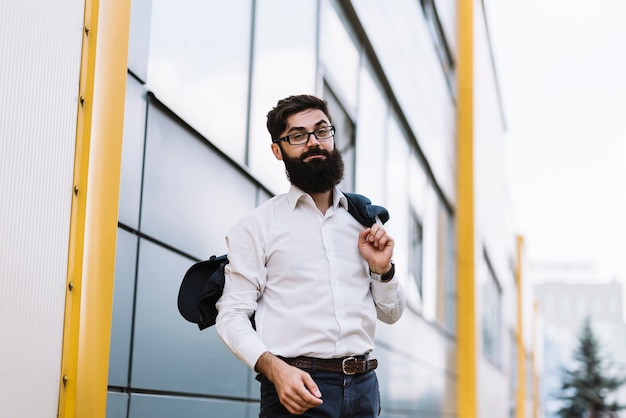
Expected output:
{"points": [[314, 277]]}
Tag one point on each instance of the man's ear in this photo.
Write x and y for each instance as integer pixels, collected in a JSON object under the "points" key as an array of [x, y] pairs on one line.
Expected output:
{"points": [[278, 153]]}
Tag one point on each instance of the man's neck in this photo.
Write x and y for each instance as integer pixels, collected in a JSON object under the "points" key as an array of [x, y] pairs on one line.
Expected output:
{"points": [[323, 200]]}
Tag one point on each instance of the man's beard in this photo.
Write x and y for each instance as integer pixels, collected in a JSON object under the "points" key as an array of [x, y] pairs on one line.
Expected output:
{"points": [[317, 175]]}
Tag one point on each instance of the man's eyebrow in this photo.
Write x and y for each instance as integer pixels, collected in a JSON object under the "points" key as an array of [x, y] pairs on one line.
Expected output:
{"points": [[301, 128]]}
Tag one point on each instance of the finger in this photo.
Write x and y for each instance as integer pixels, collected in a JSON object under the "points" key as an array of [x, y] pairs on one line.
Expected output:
{"points": [[378, 239], [308, 395], [386, 242], [312, 387], [299, 404], [378, 231], [364, 234], [302, 396], [294, 403]]}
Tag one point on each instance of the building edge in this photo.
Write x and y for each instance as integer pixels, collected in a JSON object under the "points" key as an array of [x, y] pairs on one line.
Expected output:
{"points": [[93, 225]]}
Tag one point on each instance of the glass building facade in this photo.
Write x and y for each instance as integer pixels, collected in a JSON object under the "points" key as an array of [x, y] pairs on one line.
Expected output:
{"points": [[202, 76]]}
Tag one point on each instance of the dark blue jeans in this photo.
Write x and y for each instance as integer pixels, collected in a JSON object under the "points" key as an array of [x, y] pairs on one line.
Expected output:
{"points": [[355, 396]]}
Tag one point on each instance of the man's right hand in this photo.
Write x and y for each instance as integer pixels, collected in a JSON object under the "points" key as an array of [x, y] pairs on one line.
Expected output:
{"points": [[296, 389]]}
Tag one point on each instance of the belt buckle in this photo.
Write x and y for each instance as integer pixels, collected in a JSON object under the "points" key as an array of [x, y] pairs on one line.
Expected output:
{"points": [[343, 365]]}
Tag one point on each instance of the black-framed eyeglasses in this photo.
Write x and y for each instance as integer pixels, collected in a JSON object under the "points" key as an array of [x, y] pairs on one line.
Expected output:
{"points": [[301, 138]]}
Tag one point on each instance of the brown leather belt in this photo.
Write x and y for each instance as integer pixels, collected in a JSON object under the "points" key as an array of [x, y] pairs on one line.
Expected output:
{"points": [[346, 365]]}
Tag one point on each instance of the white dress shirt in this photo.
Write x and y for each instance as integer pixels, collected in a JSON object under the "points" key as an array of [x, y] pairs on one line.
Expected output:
{"points": [[301, 272]]}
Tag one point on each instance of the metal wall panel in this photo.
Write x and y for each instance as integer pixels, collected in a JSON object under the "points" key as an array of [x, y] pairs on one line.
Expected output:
{"points": [[149, 406], [40, 52]]}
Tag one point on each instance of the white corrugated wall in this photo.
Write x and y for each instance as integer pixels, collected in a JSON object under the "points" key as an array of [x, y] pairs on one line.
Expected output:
{"points": [[40, 47]]}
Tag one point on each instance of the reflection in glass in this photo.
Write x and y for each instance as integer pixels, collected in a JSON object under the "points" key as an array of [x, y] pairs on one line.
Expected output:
{"points": [[491, 314], [404, 47], [123, 297], [284, 31], [132, 153], [344, 138], [370, 138], [339, 54], [191, 195], [430, 263], [139, 38], [415, 250], [169, 353], [117, 405], [167, 407], [199, 65], [450, 285]]}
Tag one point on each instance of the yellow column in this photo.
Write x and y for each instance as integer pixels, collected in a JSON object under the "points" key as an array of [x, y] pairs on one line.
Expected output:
{"points": [[93, 228], [536, 382], [466, 312], [520, 411]]}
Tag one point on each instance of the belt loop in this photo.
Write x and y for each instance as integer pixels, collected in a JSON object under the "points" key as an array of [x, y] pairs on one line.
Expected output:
{"points": [[313, 364]]}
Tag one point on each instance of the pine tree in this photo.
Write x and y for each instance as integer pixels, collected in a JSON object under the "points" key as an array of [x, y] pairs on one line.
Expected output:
{"points": [[585, 388]]}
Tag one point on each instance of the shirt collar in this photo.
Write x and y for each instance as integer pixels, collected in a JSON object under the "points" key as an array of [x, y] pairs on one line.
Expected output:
{"points": [[295, 194]]}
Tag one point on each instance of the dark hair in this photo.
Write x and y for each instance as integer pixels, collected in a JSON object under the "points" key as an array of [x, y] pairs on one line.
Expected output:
{"points": [[277, 117]]}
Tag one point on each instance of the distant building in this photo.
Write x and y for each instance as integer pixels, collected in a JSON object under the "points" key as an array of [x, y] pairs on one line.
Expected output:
{"points": [[564, 307]]}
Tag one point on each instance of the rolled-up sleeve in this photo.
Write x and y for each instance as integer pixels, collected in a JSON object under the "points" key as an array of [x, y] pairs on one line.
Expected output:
{"points": [[389, 299]]}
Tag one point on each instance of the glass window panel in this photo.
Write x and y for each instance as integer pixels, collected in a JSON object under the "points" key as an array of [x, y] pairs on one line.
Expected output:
{"points": [[370, 138], [414, 387], [139, 38], [344, 138], [117, 405], [132, 153], [254, 408], [399, 35], [419, 182], [339, 54], [447, 11], [169, 353], [450, 272], [429, 282], [262, 196], [442, 264], [191, 196], [284, 64], [123, 296], [513, 375], [396, 169], [154, 406], [199, 65], [416, 249], [491, 314], [401, 41], [439, 40]]}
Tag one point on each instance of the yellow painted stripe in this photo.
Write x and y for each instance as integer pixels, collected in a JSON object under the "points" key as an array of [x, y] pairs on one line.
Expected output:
{"points": [[520, 411], [466, 310], [536, 399], [93, 228], [69, 362]]}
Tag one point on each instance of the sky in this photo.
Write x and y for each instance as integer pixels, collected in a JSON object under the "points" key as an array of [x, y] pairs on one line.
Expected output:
{"points": [[562, 72]]}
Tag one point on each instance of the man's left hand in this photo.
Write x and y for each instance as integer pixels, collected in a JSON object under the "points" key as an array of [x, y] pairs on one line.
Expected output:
{"points": [[376, 247]]}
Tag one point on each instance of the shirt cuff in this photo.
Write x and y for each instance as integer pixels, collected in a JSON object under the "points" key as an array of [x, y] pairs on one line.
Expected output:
{"points": [[385, 292]]}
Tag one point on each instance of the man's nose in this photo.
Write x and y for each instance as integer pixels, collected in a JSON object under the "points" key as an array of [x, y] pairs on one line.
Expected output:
{"points": [[315, 141]]}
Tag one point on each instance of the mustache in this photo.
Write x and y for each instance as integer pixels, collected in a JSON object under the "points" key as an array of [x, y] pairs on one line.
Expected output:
{"points": [[314, 151]]}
